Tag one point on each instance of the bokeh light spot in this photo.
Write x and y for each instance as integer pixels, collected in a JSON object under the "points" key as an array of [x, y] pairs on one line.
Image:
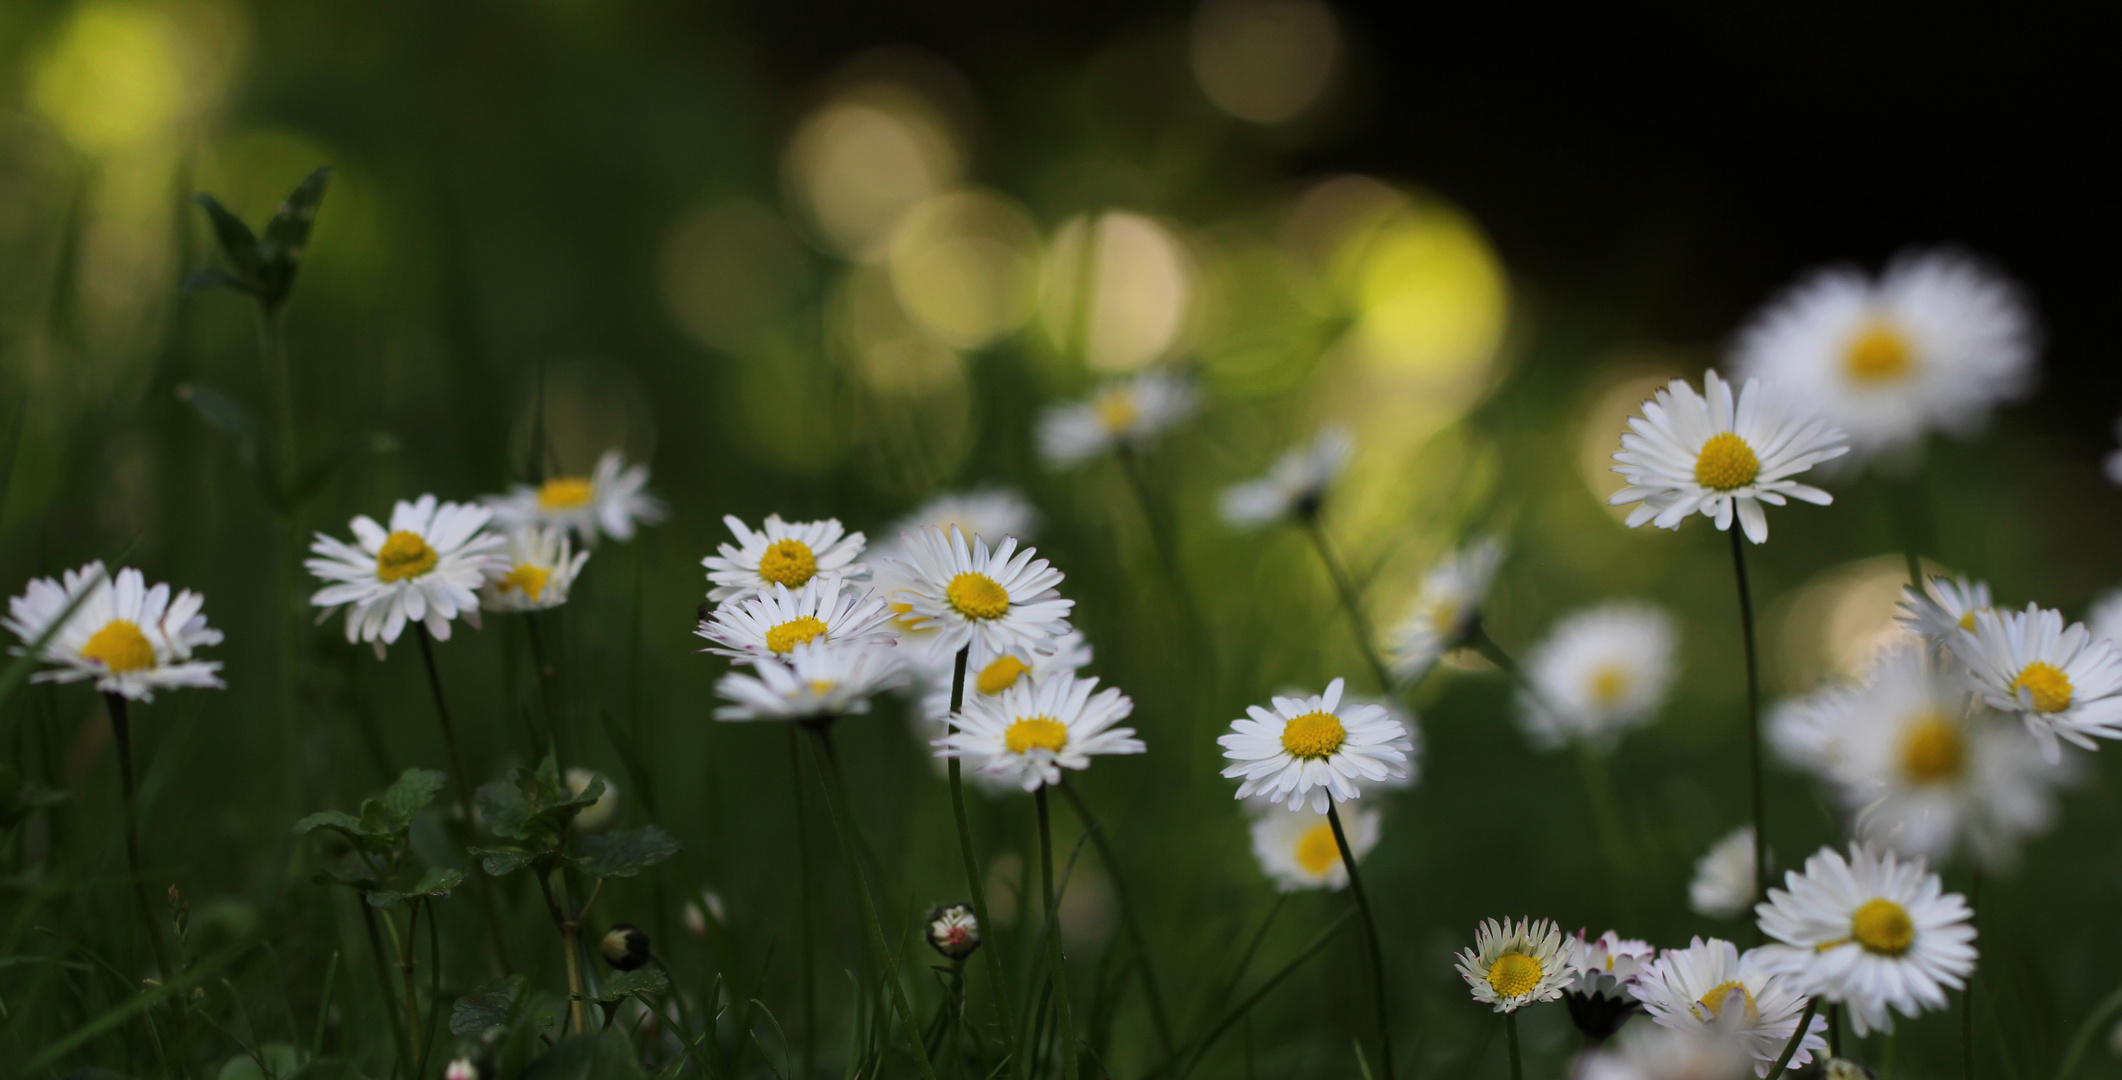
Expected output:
{"points": [[1118, 291], [866, 158], [1265, 61]]}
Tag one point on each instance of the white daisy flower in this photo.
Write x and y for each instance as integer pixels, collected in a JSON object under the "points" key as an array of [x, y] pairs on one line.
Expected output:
{"points": [[1601, 671], [2104, 619], [536, 573], [1410, 771], [1297, 849], [1513, 965], [1294, 486], [988, 675], [1935, 343], [1870, 931], [2062, 682], [1699, 453], [816, 680], [1314, 746], [1607, 964], [986, 512], [1126, 413], [425, 568], [1656, 1053], [1002, 600], [781, 553], [1710, 984], [1723, 886], [1034, 730], [611, 500], [1444, 611], [774, 622], [1943, 606], [132, 639]]}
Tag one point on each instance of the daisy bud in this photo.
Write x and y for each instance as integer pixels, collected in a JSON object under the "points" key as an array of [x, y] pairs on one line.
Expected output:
{"points": [[696, 915], [953, 930], [1842, 1068], [463, 1068], [597, 816], [624, 946]]}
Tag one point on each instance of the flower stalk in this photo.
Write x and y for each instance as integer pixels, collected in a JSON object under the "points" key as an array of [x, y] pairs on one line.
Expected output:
{"points": [[1370, 938], [1345, 587], [1055, 967], [997, 986], [1753, 720]]}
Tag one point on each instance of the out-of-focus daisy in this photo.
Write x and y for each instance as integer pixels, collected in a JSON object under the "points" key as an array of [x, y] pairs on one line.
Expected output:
{"points": [[2062, 682], [1801, 731], [1126, 412], [1294, 486], [612, 500], [781, 553], [1704, 983], [1723, 886], [814, 681], [988, 512], [1314, 746], [1033, 731], [1513, 965], [1942, 606], [1871, 931], [1444, 611], [1600, 672], [538, 569], [953, 930], [1936, 342], [1692, 453], [132, 639], [989, 675], [425, 568], [1003, 600], [1297, 850], [1656, 1053], [774, 622], [1603, 970], [600, 815], [2104, 619]]}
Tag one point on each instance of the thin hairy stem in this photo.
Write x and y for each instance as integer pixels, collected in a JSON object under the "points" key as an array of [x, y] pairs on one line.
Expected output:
{"points": [[1753, 719], [1345, 587], [1790, 1049], [1510, 1032], [1370, 938], [805, 943], [460, 781], [1059, 973], [997, 985]]}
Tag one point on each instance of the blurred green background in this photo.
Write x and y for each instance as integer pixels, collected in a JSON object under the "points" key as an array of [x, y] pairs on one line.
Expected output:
{"points": [[822, 260]]}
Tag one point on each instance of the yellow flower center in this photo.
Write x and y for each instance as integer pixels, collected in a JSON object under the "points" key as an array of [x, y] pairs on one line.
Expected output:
{"points": [[1513, 974], [566, 493], [977, 596], [1932, 749], [1313, 735], [1036, 733], [1000, 675], [120, 647], [1608, 684], [1726, 463], [1317, 852], [1883, 927], [1444, 617], [1721, 995], [530, 579], [822, 687], [404, 555], [1878, 354], [2049, 686], [794, 632], [1967, 621], [788, 562], [903, 616], [1117, 410]]}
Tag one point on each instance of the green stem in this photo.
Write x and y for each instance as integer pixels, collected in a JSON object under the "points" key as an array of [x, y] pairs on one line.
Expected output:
{"points": [[1370, 937], [806, 955], [434, 982], [410, 976], [1157, 1014], [1358, 623], [1790, 1049], [998, 987], [272, 351], [1510, 1031], [1967, 996], [2087, 1031], [383, 980], [1069, 1067], [460, 780], [1753, 718], [1599, 787], [548, 688], [121, 730]]}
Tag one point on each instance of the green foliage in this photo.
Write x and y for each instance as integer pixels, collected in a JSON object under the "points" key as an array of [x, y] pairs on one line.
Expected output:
{"points": [[262, 268], [534, 805], [625, 852], [620, 985], [605, 1056], [493, 1004]]}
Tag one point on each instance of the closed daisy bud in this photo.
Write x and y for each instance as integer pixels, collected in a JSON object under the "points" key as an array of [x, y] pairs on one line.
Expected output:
{"points": [[1723, 885], [462, 1068], [953, 930], [698, 911], [600, 815], [624, 946]]}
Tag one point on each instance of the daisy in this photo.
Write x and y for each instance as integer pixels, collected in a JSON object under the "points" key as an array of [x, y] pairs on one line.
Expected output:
{"points": [[986, 512], [2104, 620], [537, 572], [2062, 682], [1297, 849], [1936, 341], [781, 553], [1512, 966], [1941, 607], [1123, 413], [1600, 672], [1314, 746], [1002, 600], [1033, 731], [774, 622], [1870, 931], [1802, 731], [611, 500], [1723, 886], [1445, 610], [1709, 981], [1410, 770], [1656, 1053], [1699, 453], [1603, 970], [423, 569], [817, 680], [133, 640], [1295, 486], [988, 675]]}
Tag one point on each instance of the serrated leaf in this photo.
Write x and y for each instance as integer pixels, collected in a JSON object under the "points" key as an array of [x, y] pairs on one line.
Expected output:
{"points": [[435, 884], [489, 1005], [330, 819], [503, 809], [620, 985], [532, 804], [413, 789], [500, 862], [236, 239], [287, 234], [626, 852]]}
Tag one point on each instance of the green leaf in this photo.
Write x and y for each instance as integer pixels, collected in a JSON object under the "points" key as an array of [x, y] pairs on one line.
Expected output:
{"points": [[287, 234], [503, 809], [330, 819], [414, 789], [626, 852], [501, 862], [320, 472], [225, 415], [620, 985], [236, 239], [435, 884], [533, 804], [489, 1005]]}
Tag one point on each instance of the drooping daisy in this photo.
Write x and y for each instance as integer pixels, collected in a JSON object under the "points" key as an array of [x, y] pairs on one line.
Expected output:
{"points": [[132, 639], [1603, 971], [1444, 611], [1871, 931], [1514, 965], [1033, 731], [1723, 886], [1698, 986], [2062, 682], [1003, 600], [1935, 343], [1600, 672], [1297, 851], [775, 621], [1294, 486], [1314, 746], [1127, 412], [816, 680], [1941, 607], [1647, 1052], [538, 570], [425, 568], [1692, 453], [612, 500], [781, 553]]}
